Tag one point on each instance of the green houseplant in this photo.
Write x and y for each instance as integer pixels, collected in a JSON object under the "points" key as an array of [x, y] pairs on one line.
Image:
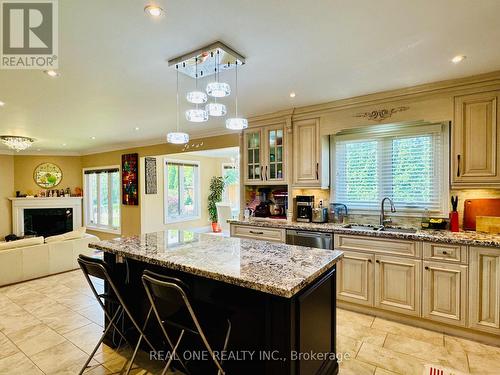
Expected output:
{"points": [[215, 196]]}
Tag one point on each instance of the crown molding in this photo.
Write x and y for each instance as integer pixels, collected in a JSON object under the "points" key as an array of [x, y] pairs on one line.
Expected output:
{"points": [[153, 142], [316, 110], [439, 87]]}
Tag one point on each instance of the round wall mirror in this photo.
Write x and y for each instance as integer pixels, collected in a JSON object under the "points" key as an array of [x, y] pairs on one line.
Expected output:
{"points": [[47, 175]]}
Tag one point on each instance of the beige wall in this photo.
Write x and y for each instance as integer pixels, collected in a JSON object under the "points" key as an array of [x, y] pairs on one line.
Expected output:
{"points": [[6, 191], [131, 215], [152, 209], [24, 166]]}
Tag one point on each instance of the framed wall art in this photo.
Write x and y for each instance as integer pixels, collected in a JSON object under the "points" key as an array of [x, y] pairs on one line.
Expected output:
{"points": [[150, 178], [130, 179], [47, 175]]}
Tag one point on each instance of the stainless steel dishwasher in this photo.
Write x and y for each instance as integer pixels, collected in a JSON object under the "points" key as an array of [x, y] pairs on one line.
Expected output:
{"points": [[309, 238]]}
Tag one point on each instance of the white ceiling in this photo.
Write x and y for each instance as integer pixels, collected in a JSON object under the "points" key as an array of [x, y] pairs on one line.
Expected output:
{"points": [[114, 75]]}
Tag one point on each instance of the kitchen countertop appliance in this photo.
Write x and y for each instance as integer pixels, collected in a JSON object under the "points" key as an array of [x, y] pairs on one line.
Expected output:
{"points": [[309, 239], [320, 214], [304, 205]]}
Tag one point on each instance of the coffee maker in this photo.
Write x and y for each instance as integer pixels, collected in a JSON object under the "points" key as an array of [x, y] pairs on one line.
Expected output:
{"points": [[304, 204]]}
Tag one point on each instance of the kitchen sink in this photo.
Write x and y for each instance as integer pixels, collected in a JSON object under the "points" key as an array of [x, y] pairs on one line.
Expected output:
{"points": [[381, 229]]}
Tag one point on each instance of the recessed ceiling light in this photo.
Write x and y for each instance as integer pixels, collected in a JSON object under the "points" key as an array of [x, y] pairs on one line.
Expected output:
{"points": [[2, 103], [64, 144], [92, 137], [137, 128], [38, 149], [292, 94], [52, 73], [458, 58], [153, 10]]}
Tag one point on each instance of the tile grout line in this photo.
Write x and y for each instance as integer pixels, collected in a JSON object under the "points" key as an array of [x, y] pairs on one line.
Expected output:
{"points": [[22, 352]]}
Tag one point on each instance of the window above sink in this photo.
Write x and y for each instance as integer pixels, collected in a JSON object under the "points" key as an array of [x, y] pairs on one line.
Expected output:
{"points": [[407, 163]]}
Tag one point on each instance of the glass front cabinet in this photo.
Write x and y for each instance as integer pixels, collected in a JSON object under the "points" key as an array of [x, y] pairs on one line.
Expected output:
{"points": [[265, 150], [253, 155]]}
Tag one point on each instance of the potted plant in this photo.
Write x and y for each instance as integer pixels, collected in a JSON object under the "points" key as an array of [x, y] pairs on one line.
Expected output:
{"points": [[215, 196]]}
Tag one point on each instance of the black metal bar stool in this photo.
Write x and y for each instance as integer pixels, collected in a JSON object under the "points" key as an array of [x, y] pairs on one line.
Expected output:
{"points": [[173, 309], [99, 269]]}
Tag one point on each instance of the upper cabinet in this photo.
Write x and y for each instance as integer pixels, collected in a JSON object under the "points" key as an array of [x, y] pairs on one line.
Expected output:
{"points": [[274, 170], [252, 155], [475, 147], [311, 162], [265, 155]]}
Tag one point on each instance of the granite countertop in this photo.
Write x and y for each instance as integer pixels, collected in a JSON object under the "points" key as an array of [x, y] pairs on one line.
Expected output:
{"points": [[275, 268], [442, 236]]}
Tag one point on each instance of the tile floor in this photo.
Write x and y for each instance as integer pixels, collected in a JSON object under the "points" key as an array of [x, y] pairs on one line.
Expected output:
{"points": [[48, 326]]}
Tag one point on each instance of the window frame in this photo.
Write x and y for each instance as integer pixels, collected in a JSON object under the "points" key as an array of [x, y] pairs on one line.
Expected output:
{"points": [[225, 193], [197, 191], [86, 202], [395, 130]]}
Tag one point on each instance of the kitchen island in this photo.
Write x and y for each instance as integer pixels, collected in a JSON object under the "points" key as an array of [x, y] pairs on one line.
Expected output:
{"points": [[280, 298]]}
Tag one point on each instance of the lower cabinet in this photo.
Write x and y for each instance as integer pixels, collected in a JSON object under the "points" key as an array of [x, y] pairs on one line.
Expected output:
{"points": [[398, 284], [484, 289], [355, 278], [445, 292]]}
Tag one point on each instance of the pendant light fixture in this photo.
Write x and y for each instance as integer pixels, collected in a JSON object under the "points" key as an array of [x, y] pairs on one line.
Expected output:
{"points": [[196, 96], [218, 89], [196, 114], [236, 123], [177, 137], [216, 109]]}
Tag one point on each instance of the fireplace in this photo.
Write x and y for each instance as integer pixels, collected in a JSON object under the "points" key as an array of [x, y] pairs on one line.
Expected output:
{"points": [[48, 221], [45, 211]]}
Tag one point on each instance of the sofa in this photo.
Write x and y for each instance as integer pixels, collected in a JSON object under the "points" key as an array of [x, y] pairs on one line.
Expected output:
{"points": [[37, 258]]}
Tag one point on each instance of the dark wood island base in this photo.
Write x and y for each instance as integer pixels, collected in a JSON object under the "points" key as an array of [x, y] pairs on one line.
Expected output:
{"points": [[271, 334]]}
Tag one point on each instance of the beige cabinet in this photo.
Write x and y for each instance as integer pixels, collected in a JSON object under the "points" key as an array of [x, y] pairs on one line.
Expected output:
{"points": [[484, 289], [355, 278], [252, 155], [258, 233], [444, 292], [264, 155], [475, 144], [311, 166], [275, 154], [398, 284]]}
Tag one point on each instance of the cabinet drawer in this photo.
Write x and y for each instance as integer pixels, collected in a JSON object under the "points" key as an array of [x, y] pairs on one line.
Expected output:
{"points": [[258, 233], [450, 253], [378, 245]]}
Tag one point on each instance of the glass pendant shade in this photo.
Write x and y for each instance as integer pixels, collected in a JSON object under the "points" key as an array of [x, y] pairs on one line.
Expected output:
{"points": [[218, 89], [236, 123], [196, 97], [196, 115], [216, 109], [178, 138]]}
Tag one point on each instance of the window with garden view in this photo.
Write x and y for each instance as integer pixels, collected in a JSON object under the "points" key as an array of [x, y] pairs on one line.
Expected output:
{"points": [[405, 164], [181, 191], [102, 199]]}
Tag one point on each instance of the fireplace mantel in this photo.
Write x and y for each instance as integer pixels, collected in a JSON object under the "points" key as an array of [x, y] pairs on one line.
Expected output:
{"points": [[20, 204]]}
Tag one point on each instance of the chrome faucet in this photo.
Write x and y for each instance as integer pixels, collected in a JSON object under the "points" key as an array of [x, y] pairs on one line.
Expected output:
{"points": [[383, 220]]}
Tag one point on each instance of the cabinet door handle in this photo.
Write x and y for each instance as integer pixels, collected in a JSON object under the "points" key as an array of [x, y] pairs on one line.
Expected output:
{"points": [[266, 173], [445, 252], [458, 165], [317, 171], [377, 261], [261, 174], [369, 260], [254, 232], [427, 268]]}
